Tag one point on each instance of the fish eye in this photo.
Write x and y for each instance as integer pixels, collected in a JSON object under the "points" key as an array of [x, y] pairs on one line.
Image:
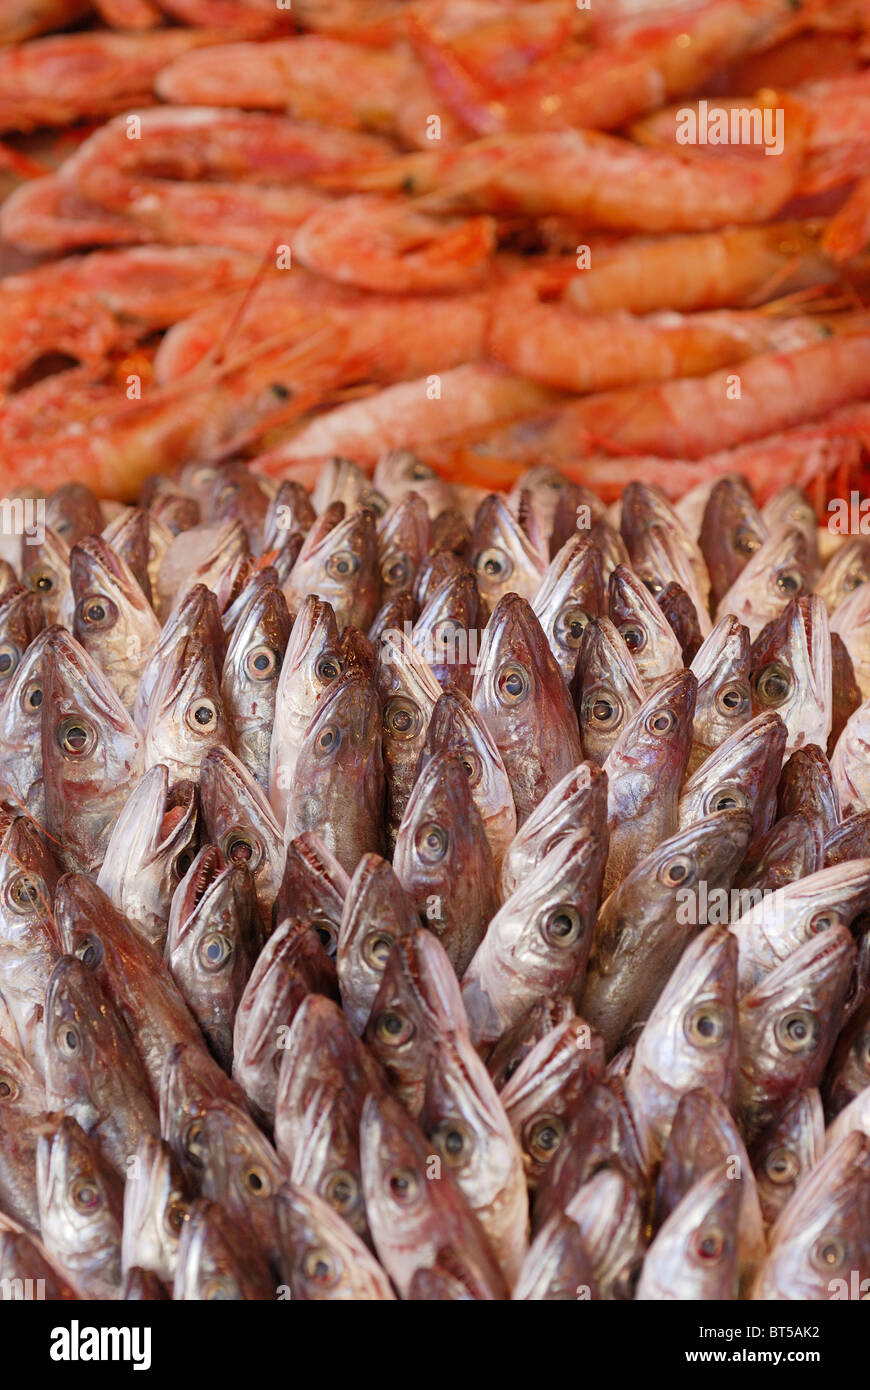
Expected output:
{"points": [[404, 1185], [432, 843], [31, 698], [241, 848], [89, 951], [726, 799], [797, 1031], [543, 1136], [661, 721], [445, 635], [183, 862], [328, 667], [327, 740], [97, 611], [195, 1143], [707, 1026], [86, 1196], [732, 700], [562, 927], [710, 1244], [214, 951], [201, 716], [602, 709], [256, 1181], [376, 949], [823, 921], [319, 1267], [569, 627], [261, 663], [68, 1040], [745, 541], [176, 1214], [512, 685], [77, 737], [829, 1252], [24, 892], [328, 934], [633, 636], [471, 767], [781, 1166], [773, 684], [494, 563], [342, 1190], [393, 1029], [402, 717], [396, 571], [9, 659], [789, 581], [201, 477], [453, 1141], [43, 581], [854, 578], [375, 501], [9, 1088], [421, 472], [677, 871], [342, 564], [227, 493], [653, 583]]}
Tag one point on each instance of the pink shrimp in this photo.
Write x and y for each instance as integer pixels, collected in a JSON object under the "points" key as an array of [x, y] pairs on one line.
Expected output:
{"points": [[22, 19], [848, 232], [382, 244], [51, 215], [599, 178], [129, 14], [241, 18], [86, 306], [802, 58]]}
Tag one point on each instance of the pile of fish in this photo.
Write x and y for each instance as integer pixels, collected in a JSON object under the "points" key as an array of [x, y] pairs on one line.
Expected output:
{"points": [[409, 892]]}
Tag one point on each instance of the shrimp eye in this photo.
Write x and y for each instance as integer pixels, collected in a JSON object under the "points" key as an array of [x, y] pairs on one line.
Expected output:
{"points": [[240, 848], [746, 541], [707, 1026], [494, 564], [376, 949], [543, 1137], [86, 1196], [512, 685], [829, 1252], [327, 740], [781, 1166], [393, 1029], [89, 951], [773, 684], [43, 581], [328, 934], [789, 581], [24, 892], [201, 716], [562, 927], [404, 1185], [319, 1267], [342, 564], [710, 1245], [732, 700], [256, 1181], [602, 708], [453, 1141], [77, 737], [9, 659], [214, 951], [661, 721], [9, 1088], [97, 611], [677, 871], [68, 1039], [570, 626], [261, 663], [342, 1190], [397, 571], [402, 718], [432, 843], [31, 699], [329, 667], [726, 799], [797, 1031], [633, 636]]}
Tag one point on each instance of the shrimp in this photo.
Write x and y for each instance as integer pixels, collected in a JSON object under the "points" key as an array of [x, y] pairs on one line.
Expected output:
{"points": [[382, 244], [51, 215], [551, 343], [128, 14], [601, 179], [801, 58], [72, 77], [848, 232], [87, 306], [407, 416], [22, 19], [242, 18]]}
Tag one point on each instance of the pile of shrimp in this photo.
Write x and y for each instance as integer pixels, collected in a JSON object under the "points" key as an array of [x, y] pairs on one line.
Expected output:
{"points": [[469, 229]]}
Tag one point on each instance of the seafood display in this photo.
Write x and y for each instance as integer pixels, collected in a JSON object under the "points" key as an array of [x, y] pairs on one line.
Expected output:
{"points": [[435, 650]]}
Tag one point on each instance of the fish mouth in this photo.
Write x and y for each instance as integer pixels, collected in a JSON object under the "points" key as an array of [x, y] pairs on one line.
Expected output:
{"points": [[201, 876]]}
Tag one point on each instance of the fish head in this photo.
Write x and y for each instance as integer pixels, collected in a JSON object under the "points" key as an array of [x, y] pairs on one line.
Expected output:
{"points": [[643, 627], [501, 555], [792, 671]]}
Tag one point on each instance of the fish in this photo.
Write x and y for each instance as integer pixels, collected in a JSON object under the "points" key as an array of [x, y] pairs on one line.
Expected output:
{"points": [[314, 889], [251, 672], [503, 558], [45, 569], [73, 510], [694, 1256], [141, 540], [23, 1118], [218, 1260], [338, 562], [313, 659], [289, 510], [601, 1135], [521, 695], [790, 506], [776, 573], [23, 1257], [849, 763], [156, 1209], [792, 672], [113, 619], [22, 618], [806, 785], [791, 849], [850, 840], [447, 630], [643, 628], [608, 1213], [846, 693], [847, 569], [200, 556], [92, 754], [724, 699], [196, 615], [28, 939], [787, 1151], [848, 1072], [241, 1170], [376, 912], [239, 820], [681, 613], [403, 539], [570, 594], [732, 531], [578, 802], [645, 924], [190, 1080], [608, 688], [443, 861], [557, 1267], [408, 691], [742, 772], [80, 1210], [21, 781], [321, 1260], [187, 715], [645, 769]]}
